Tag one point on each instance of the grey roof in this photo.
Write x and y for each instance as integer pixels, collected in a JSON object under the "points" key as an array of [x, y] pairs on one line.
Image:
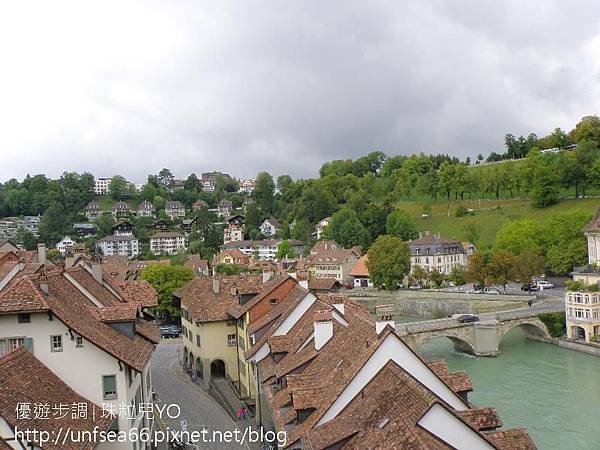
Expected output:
{"points": [[166, 234], [115, 238]]}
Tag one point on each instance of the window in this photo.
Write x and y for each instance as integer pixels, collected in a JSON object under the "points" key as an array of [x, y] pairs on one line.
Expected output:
{"points": [[109, 387], [273, 301], [10, 344], [79, 341], [231, 340], [198, 340], [56, 343], [24, 318]]}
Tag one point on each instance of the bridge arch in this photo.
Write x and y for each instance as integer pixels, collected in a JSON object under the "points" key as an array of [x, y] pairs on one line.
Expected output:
{"points": [[460, 342], [532, 326]]}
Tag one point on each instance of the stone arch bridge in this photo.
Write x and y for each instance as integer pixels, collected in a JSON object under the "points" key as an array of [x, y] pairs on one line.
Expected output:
{"points": [[478, 338]]}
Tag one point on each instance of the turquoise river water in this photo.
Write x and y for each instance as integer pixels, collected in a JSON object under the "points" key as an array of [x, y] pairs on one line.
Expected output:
{"points": [[553, 392]]}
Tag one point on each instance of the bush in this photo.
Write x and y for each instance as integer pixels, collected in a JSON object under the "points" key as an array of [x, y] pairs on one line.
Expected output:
{"points": [[555, 322], [461, 211]]}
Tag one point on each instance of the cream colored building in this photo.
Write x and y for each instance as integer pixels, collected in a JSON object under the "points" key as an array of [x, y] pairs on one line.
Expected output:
{"points": [[582, 311], [434, 252]]}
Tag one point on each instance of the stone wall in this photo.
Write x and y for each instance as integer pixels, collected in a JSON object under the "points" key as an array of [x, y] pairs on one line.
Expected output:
{"points": [[578, 346], [436, 304]]}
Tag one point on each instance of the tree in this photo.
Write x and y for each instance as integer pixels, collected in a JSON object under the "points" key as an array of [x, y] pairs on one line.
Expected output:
{"points": [[419, 275], [53, 226], [457, 276], [501, 268], [264, 190], [519, 235], [165, 177], [104, 225], [388, 261], [285, 250], [588, 129], [564, 242], [347, 230], [119, 188], [165, 279], [400, 224], [27, 239], [435, 277], [477, 268], [192, 183], [528, 265]]}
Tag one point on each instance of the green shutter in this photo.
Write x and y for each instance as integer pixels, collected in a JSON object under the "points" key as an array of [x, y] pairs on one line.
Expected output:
{"points": [[29, 344]]}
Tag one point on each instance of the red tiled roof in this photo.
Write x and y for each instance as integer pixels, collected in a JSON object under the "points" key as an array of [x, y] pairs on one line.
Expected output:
{"points": [[206, 305], [24, 379], [360, 268], [323, 284]]}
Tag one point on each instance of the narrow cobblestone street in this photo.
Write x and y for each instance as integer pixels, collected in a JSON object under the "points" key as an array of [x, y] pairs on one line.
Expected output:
{"points": [[198, 409]]}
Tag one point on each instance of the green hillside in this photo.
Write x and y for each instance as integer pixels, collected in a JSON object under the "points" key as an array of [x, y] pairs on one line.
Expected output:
{"points": [[488, 215]]}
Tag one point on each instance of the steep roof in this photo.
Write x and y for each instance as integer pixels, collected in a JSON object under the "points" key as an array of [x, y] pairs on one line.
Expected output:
{"points": [[25, 379], [206, 305], [360, 268], [72, 306]]}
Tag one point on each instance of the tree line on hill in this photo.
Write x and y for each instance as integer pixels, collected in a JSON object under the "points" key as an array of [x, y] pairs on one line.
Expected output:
{"points": [[363, 196]]}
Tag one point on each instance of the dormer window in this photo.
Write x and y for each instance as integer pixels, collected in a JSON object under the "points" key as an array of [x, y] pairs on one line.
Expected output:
{"points": [[273, 301], [24, 318]]}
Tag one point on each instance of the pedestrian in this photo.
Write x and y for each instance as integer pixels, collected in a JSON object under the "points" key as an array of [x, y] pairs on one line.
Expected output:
{"points": [[240, 412], [244, 413], [476, 311], [529, 302]]}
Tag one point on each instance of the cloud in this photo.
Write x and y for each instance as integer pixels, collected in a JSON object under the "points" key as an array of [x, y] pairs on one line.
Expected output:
{"points": [[131, 87]]}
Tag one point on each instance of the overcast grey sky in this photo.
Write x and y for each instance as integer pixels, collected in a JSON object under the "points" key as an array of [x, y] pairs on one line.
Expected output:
{"points": [[131, 87]]}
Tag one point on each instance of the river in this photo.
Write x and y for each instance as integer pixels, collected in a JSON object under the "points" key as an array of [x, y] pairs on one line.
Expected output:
{"points": [[551, 391]]}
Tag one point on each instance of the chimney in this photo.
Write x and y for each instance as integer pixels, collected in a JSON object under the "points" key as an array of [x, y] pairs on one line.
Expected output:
{"points": [[43, 281], [97, 272], [42, 253], [384, 316], [323, 328], [266, 276], [216, 285]]}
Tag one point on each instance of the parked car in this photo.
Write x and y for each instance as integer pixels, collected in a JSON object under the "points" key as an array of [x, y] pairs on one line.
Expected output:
{"points": [[530, 287], [544, 284], [491, 291], [474, 291], [170, 331], [415, 287], [466, 318]]}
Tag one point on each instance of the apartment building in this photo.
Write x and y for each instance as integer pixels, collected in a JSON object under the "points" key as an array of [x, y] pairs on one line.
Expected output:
{"points": [[102, 186], [167, 243], [265, 249]]}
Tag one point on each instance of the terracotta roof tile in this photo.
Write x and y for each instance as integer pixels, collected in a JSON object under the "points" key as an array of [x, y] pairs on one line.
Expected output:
{"points": [[24, 379], [482, 419], [360, 268]]}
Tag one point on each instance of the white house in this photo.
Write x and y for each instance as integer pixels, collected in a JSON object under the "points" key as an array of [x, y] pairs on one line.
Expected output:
{"points": [[65, 246], [89, 334], [145, 209], [321, 226], [270, 227], [167, 243], [434, 252], [174, 209]]}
